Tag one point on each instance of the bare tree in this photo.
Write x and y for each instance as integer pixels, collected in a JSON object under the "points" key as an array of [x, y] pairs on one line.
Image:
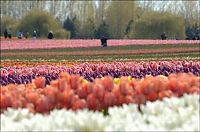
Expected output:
{"points": [[190, 10]]}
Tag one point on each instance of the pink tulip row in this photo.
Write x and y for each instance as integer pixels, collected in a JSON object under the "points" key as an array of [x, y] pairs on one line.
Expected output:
{"points": [[48, 44]]}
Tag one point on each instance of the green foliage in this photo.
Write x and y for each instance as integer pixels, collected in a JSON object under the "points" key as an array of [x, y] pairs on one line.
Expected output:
{"points": [[118, 16], [129, 30], [192, 32], [70, 26], [105, 112], [102, 30], [88, 30], [41, 21], [77, 28], [62, 34], [152, 24], [8, 22]]}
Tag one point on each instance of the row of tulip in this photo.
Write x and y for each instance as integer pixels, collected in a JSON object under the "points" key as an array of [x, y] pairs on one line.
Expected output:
{"points": [[47, 44], [90, 71], [170, 114], [33, 63], [11, 63], [74, 92]]}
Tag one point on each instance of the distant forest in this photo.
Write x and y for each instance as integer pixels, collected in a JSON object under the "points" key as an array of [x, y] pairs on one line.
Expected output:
{"points": [[93, 19]]}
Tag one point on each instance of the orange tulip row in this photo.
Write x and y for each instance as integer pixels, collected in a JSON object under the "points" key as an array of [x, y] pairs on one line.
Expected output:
{"points": [[74, 92]]}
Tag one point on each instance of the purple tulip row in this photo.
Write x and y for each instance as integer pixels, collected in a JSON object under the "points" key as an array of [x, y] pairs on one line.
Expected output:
{"points": [[90, 71]]}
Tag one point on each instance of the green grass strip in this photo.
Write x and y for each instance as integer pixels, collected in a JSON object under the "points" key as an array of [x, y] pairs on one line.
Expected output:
{"points": [[195, 55]]}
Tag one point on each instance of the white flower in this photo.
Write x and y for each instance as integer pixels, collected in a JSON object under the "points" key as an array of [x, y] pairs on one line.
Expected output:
{"points": [[171, 114]]}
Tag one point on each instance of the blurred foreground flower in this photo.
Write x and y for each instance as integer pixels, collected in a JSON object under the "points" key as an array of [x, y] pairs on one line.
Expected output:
{"points": [[169, 114]]}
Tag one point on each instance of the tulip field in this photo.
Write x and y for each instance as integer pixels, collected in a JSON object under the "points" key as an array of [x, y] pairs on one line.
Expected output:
{"points": [[47, 44], [77, 85]]}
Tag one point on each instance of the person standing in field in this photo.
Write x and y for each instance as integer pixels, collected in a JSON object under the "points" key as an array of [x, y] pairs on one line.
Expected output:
{"points": [[20, 34], [26, 35], [50, 35], [9, 33], [104, 41], [163, 36], [34, 34], [6, 33]]}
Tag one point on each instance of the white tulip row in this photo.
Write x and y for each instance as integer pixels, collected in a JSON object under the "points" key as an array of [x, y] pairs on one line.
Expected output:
{"points": [[180, 114]]}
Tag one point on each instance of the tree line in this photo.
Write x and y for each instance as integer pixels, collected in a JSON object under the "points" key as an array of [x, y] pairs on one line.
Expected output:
{"points": [[93, 19]]}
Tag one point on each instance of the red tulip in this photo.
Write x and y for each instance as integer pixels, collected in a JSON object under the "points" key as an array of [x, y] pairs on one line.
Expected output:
{"points": [[109, 99]]}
